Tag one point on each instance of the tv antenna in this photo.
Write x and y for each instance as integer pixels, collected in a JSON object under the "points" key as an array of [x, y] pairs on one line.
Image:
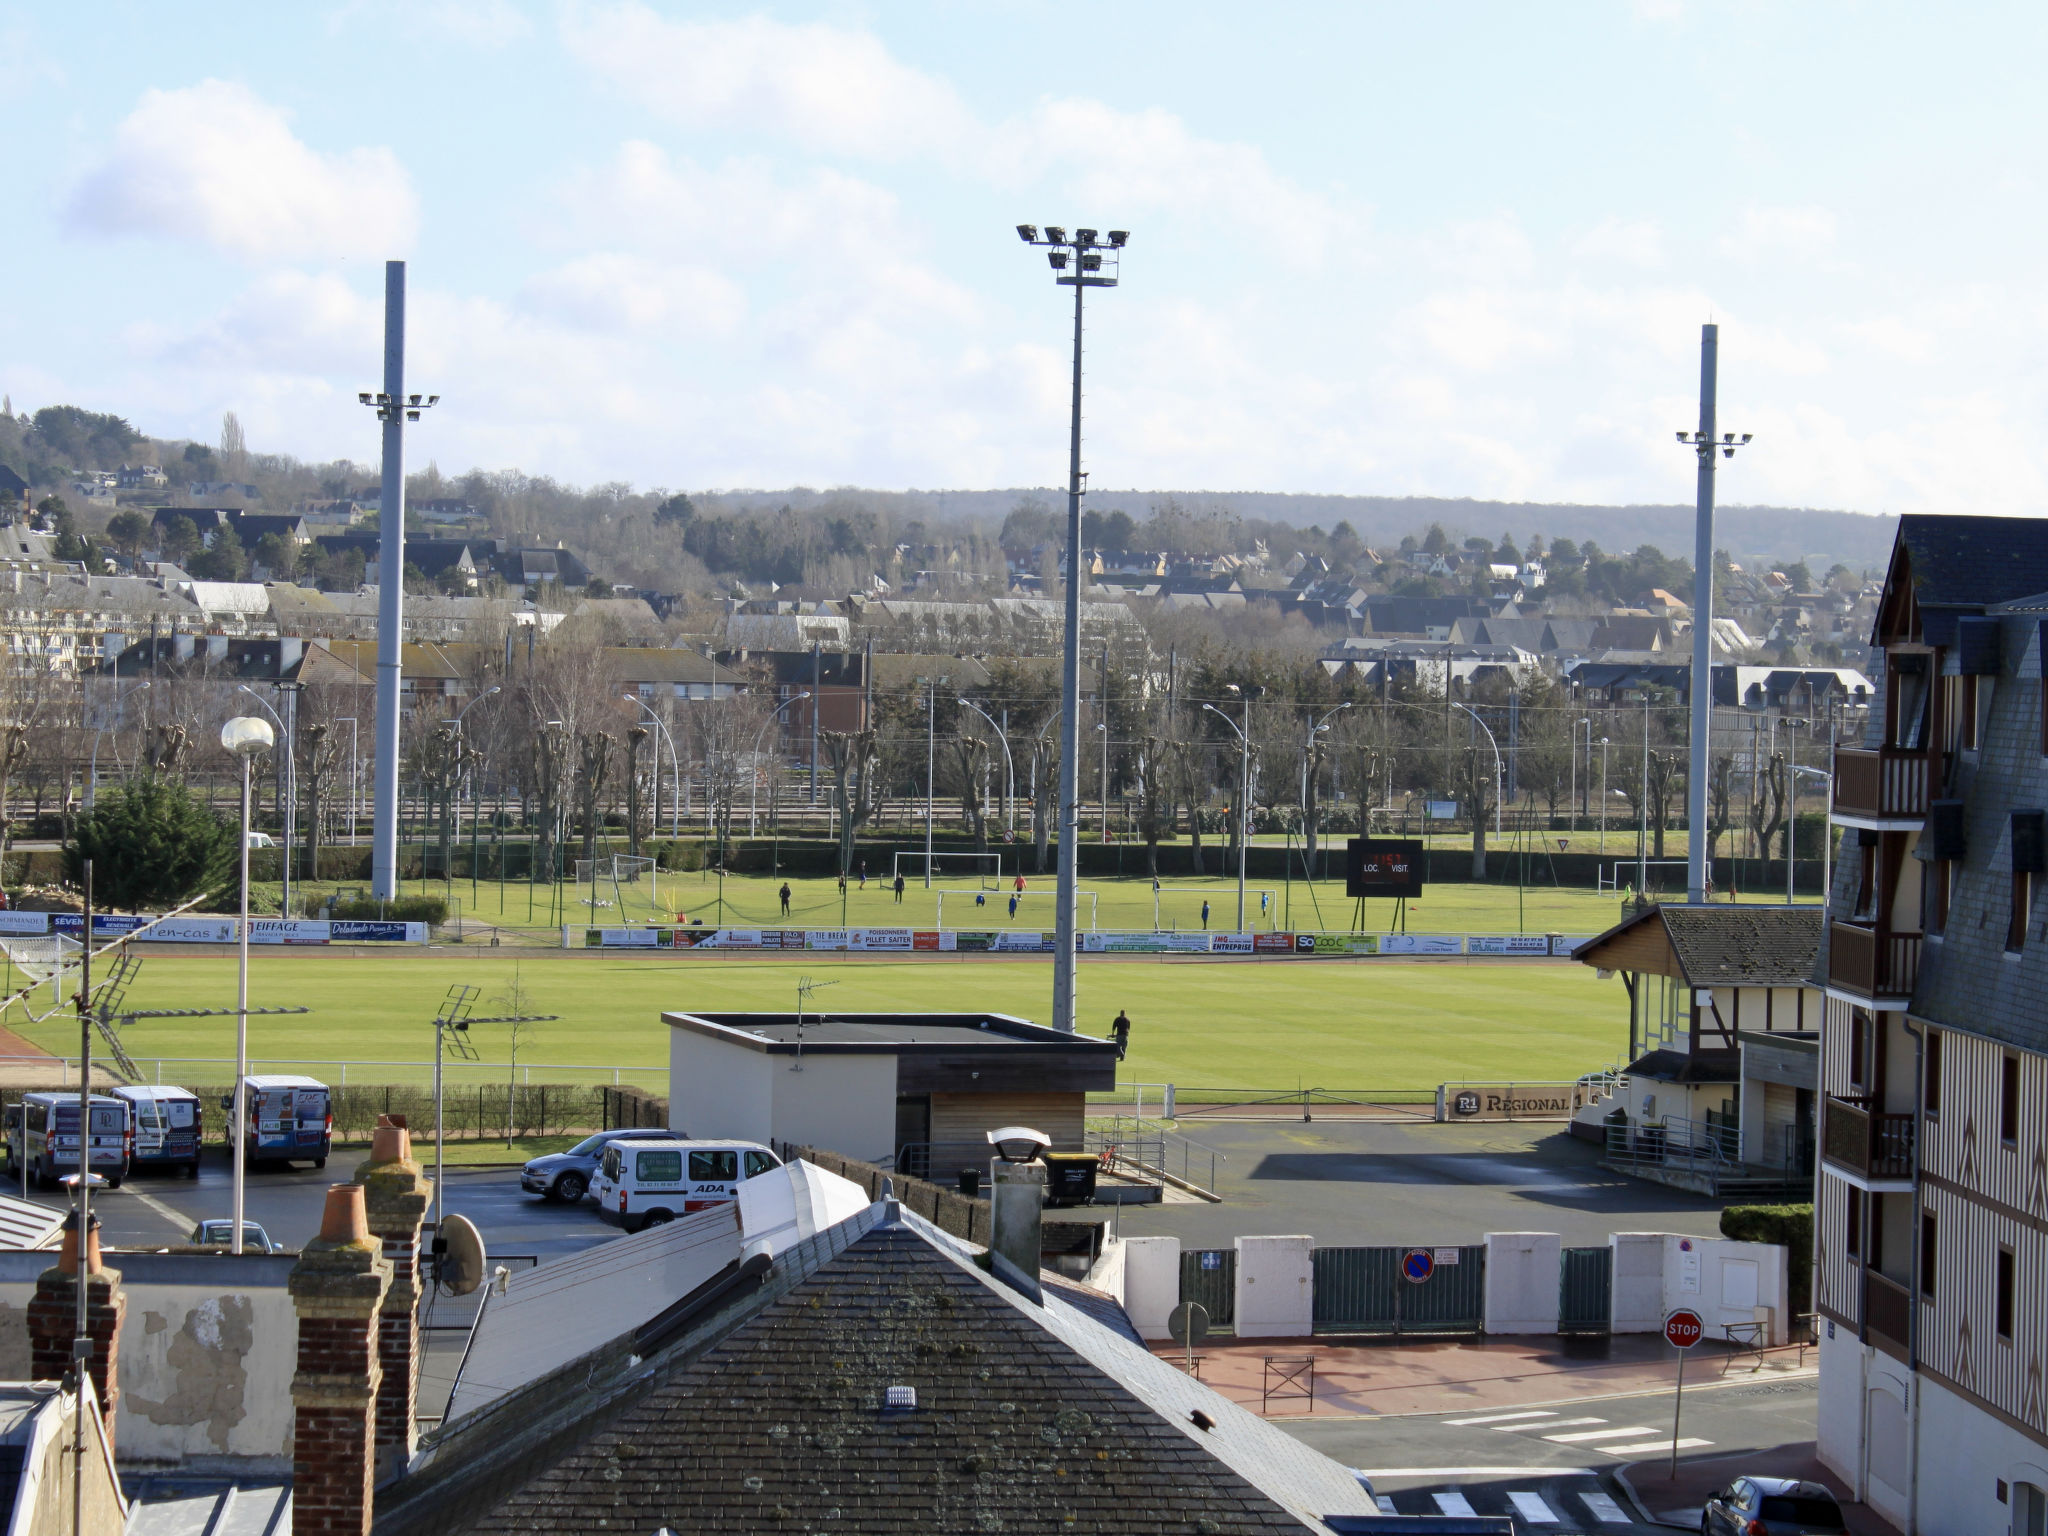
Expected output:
{"points": [[110, 1018], [451, 1026], [805, 986]]}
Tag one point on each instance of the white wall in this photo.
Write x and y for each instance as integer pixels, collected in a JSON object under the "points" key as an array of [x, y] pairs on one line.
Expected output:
{"points": [[1276, 1287], [1523, 1281], [1727, 1282], [1151, 1283], [1638, 1293], [716, 1088], [844, 1103], [1838, 1420]]}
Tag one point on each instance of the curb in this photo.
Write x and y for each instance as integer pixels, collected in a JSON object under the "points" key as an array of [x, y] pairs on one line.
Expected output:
{"points": [[1643, 1512]]}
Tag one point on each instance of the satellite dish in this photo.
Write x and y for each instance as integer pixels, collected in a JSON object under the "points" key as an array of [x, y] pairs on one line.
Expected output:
{"points": [[462, 1262]]}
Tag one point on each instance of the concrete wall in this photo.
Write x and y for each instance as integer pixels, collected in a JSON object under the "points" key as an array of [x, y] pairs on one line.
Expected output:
{"points": [[1637, 1299], [847, 1103], [207, 1354], [1276, 1287], [1522, 1281], [1725, 1282], [719, 1089], [1150, 1283]]}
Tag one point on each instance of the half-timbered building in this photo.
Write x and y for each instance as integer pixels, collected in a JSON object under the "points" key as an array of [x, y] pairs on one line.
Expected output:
{"points": [[1931, 1220]]}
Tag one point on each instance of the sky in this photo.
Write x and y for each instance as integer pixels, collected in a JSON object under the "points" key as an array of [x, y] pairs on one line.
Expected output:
{"points": [[1458, 250]]}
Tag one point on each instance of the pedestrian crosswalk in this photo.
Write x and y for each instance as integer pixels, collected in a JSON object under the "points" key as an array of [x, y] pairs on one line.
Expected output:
{"points": [[1581, 1431], [1555, 1506]]}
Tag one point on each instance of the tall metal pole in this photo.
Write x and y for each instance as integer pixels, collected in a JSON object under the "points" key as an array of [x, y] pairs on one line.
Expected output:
{"points": [[390, 602], [81, 1348], [1702, 627], [931, 782], [238, 1146], [1065, 898], [1244, 804]]}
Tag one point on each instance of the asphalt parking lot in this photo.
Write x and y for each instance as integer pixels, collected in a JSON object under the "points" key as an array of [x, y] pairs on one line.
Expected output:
{"points": [[1384, 1181]]}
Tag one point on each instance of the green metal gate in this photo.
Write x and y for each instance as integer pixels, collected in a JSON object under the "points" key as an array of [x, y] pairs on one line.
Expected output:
{"points": [[1585, 1290], [1368, 1291], [1209, 1276]]}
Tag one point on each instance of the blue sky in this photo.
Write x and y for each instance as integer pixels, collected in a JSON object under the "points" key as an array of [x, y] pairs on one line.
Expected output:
{"points": [[1450, 250]]}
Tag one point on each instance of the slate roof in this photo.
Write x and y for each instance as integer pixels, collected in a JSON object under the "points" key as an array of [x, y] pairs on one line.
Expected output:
{"points": [[768, 1417], [1972, 562], [1745, 944], [1689, 1067]]}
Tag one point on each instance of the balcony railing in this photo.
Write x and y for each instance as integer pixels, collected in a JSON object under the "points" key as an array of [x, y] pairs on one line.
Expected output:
{"points": [[1891, 782], [1887, 1307], [1875, 1145], [1872, 963]]}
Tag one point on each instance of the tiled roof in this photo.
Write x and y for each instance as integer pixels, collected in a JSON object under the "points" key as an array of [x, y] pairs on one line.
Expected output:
{"points": [[770, 1417], [1745, 944]]}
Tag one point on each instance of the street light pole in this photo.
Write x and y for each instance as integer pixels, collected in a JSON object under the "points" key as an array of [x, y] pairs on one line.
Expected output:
{"points": [[1009, 767], [1307, 751], [1496, 761], [675, 800], [1704, 443], [245, 736], [1244, 778], [291, 790], [1080, 263]]}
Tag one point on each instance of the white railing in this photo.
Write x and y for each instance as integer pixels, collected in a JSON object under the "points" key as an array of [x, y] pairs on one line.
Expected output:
{"points": [[453, 1071]]}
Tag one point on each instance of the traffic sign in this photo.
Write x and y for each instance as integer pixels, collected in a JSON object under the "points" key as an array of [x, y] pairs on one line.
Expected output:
{"points": [[1683, 1328], [1418, 1264], [1188, 1323]]}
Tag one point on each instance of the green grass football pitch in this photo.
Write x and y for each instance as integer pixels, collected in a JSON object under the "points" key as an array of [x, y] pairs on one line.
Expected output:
{"points": [[1271, 1025]]}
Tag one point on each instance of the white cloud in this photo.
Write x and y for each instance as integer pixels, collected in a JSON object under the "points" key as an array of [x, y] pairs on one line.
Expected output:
{"points": [[621, 293], [1763, 233], [818, 86], [217, 164], [1624, 242]]}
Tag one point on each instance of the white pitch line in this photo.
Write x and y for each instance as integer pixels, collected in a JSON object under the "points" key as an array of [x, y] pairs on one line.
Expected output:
{"points": [[1639, 1446], [1602, 1434], [1453, 1504], [1502, 1418], [1604, 1509], [1532, 1508]]}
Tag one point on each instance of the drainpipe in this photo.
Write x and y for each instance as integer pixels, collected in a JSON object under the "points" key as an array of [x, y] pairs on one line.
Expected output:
{"points": [[1913, 1317]]}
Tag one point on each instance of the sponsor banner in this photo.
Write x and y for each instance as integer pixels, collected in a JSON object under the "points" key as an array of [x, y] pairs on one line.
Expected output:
{"points": [[344, 930], [691, 938], [1565, 943], [1511, 1101], [1123, 943], [825, 938], [1339, 943], [104, 924], [1507, 943], [782, 938], [1421, 944], [1191, 943], [879, 939], [737, 938], [191, 930], [1027, 943], [288, 930], [624, 938], [924, 941], [1231, 943], [26, 922], [1272, 943], [968, 943]]}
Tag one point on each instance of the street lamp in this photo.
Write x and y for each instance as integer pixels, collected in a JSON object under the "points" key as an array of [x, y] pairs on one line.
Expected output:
{"points": [[675, 800], [1308, 749], [291, 791], [1244, 783], [92, 775], [460, 742], [1603, 801], [1085, 261], [1009, 767], [245, 736], [1496, 762], [1578, 808]]}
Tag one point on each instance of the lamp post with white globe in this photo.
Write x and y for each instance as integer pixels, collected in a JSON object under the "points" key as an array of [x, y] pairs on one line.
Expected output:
{"points": [[245, 736]]}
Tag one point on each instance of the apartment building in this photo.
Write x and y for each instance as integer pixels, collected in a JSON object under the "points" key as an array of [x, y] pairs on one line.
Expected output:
{"points": [[1931, 1229]]}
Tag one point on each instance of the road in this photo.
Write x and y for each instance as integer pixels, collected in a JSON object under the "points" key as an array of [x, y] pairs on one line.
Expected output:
{"points": [[1553, 1468]]}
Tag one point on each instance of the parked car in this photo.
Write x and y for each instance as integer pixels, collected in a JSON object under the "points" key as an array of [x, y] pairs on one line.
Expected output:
{"points": [[167, 1126], [642, 1184], [42, 1137], [1772, 1506], [291, 1118], [566, 1176], [262, 840], [219, 1232]]}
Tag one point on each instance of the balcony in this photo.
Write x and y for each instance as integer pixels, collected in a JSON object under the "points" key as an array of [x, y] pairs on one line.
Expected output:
{"points": [[1886, 785], [1876, 1147], [1887, 1310], [1872, 964]]}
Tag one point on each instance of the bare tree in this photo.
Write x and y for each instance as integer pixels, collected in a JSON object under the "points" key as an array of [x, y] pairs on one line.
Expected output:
{"points": [[593, 768], [853, 762]]}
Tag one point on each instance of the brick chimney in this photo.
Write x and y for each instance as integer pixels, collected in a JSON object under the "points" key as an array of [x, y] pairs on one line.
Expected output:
{"points": [[337, 1289], [395, 1196], [53, 1318]]}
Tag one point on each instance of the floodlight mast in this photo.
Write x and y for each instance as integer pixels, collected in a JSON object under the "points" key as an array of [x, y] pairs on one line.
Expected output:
{"points": [[1704, 443], [1080, 263], [394, 409]]}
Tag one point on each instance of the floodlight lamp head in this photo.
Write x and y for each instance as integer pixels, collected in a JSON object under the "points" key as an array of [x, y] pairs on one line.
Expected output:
{"points": [[1056, 233], [1747, 435], [1084, 237], [1058, 260], [1091, 261], [412, 415], [1028, 233], [246, 735], [1681, 437], [413, 400], [1117, 237], [363, 396]]}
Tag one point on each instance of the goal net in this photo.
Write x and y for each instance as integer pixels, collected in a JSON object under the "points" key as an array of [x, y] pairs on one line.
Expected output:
{"points": [[984, 868], [612, 869], [38, 957]]}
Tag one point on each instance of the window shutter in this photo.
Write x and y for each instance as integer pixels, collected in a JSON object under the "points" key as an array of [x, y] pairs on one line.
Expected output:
{"points": [[2029, 842], [1945, 828], [1977, 646]]}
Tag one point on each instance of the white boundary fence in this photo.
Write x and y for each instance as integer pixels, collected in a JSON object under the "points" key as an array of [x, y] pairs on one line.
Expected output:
{"points": [[160, 1069], [1038, 941]]}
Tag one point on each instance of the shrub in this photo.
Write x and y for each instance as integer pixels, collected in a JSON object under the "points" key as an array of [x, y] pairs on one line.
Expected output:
{"points": [[404, 909], [153, 844], [1791, 1225]]}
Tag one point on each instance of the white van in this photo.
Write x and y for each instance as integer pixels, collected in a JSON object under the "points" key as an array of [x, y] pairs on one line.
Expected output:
{"points": [[644, 1183], [291, 1118]]}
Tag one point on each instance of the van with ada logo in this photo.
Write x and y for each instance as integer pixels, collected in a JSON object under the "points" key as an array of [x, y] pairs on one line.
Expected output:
{"points": [[642, 1184]]}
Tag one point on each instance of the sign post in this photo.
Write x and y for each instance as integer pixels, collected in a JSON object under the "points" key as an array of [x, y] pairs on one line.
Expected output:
{"points": [[1682, 1330]]}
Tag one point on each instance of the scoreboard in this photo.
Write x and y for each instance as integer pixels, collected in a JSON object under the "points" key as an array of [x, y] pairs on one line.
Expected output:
{"points": [[1379, 866]]}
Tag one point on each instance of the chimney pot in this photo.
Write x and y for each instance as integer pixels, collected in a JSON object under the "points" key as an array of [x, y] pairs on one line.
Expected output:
{"points": [[344, 1220], [67, 1254], [391, 1142]]}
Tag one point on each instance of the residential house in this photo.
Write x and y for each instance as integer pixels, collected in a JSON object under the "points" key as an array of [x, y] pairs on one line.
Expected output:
{"points": [[1931, 1221], [13, 493], [141, 477]]}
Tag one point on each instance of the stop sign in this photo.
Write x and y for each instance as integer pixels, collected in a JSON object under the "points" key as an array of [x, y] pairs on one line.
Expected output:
{"points": [[1682, 1329]]}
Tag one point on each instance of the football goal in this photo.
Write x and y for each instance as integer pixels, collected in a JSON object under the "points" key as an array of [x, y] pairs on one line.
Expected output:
{"points": [[984, 868], [1027, 909], [38, 958], [615, 871], [1624, 870], [1261, 907]]}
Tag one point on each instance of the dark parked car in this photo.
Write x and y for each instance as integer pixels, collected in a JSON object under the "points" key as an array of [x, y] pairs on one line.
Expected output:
{"points": [[565, 1176], [1772, 1506]]}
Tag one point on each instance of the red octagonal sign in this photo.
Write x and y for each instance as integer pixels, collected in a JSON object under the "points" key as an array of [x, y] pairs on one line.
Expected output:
{"points": [[1682, 1329]]}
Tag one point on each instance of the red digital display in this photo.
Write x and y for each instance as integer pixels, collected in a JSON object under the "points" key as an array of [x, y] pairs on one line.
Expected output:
{"points": [[1383, 867]]}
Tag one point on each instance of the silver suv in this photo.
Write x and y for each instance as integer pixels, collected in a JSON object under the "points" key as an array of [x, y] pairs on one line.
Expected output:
{"points": [[565, 1176]]}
